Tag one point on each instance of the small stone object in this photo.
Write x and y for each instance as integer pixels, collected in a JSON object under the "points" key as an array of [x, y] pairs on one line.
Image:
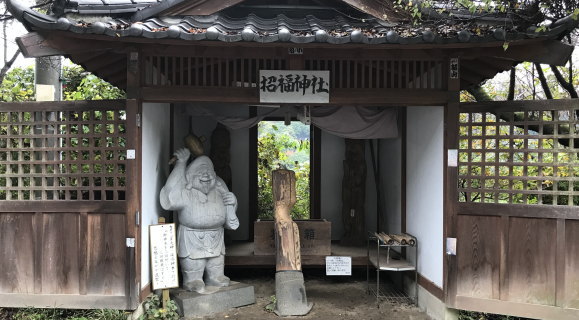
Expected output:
{"points": [[247, 34], [356, 36], [212, 33], [428, 36], [392, 36], [284, 34], [464, 36], [193, 304], [321, 36]]}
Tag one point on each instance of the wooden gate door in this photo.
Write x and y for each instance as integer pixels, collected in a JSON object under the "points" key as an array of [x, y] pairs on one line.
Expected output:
{"points": [[65, 204], [515, 211]]}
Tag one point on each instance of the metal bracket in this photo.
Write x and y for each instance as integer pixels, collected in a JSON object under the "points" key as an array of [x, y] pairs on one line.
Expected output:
{"points": [[137, 218], [451, 246], [130, 242], [138, 119]]}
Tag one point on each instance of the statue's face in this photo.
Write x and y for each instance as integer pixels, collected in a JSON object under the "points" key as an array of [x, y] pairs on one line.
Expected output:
{"points": [[203, 178]]}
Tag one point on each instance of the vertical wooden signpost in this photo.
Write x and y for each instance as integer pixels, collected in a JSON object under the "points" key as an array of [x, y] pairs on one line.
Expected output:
{"points": [[164, 268]]}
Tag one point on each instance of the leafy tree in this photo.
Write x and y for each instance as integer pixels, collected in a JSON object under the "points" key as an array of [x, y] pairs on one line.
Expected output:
{"points": [[18, 85], [82, 85], [278, 146]]}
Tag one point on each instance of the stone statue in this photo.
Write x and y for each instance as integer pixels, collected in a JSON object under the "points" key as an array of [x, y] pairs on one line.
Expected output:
{"points": [[205, 207]]}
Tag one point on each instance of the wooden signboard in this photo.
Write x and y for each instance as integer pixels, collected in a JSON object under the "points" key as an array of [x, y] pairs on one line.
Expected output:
{"points": [[163, 256], [294, 86], [315, 237]]}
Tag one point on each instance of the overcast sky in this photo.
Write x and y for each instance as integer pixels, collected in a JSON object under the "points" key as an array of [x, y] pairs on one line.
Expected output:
{"points": [[13, 29]]}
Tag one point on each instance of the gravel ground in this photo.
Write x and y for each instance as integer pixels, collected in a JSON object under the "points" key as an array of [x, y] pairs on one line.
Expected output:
{"points": [[333, 297]]}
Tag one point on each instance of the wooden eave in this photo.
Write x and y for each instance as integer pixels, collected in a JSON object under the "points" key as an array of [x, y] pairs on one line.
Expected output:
{"points": [[199, 7], [375, 8], [106, 56]]}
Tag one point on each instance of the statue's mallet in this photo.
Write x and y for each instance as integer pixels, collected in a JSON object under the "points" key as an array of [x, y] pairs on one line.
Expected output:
{"points": [[194, 144]]}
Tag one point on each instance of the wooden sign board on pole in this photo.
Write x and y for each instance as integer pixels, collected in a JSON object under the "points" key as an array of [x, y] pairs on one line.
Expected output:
{"points": [[163, 245]]}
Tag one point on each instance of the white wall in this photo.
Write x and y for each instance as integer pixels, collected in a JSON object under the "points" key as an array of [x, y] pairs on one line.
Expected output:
{"points": [[333, 149], [424, 187], [155, 170]]}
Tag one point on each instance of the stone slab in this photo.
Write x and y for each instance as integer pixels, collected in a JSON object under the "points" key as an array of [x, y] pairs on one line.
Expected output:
{"points": [[193, 304]]}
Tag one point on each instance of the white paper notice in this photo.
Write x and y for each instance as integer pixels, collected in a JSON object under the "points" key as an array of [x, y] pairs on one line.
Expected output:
{"points": [[164, 256], [452, 157], [338, 266]]}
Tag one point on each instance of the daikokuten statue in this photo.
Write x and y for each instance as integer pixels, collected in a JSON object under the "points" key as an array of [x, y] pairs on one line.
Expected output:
{"points": [[205, 207]]}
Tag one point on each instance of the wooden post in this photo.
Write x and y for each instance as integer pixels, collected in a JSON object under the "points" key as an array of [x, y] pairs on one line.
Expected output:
{"points": [[287, 237], [165, 292], [290, 292]]}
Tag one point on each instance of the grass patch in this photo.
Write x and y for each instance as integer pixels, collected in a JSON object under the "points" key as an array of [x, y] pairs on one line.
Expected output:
{"points": [[61, 314]]}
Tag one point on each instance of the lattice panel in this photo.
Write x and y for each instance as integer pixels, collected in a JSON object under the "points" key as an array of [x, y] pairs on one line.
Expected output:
{"points": [[207, 71], [527, 157], [63, 155], [380, 74]]}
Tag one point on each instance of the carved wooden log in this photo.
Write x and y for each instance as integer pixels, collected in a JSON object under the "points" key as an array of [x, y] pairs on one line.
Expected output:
{"points": [[220, 153], [287, 239], [354, 193]]}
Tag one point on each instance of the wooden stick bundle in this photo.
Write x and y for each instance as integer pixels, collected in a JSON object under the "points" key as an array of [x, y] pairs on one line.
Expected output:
{"points": [[392, 239]]}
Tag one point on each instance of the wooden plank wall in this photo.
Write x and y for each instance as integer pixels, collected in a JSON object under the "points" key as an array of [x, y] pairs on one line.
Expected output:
{"points": [[519, 254], [58, 251]]}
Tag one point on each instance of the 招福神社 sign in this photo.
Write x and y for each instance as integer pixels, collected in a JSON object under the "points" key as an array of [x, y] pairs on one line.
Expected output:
{"points": [[294, 86]]}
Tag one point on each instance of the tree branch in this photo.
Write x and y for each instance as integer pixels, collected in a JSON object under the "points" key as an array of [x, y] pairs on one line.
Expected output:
{"points": [[511, 96], [479, 93], [566, 85], [543, 81], [8, 65]]}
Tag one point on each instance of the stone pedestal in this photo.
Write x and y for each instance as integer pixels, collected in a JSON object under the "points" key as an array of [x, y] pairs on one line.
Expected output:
{"points": [[193, 304]]}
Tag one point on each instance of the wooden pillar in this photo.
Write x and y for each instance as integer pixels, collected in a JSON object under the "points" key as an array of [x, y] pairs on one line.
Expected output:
{"points": [[450, 266], [133, 195]]}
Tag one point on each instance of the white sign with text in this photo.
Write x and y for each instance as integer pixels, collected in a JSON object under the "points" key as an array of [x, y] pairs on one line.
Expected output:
{"points": [[338, 266], [294, 86], [163, 256]]}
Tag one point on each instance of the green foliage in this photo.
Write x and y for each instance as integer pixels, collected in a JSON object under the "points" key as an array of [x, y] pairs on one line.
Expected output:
{"points": [[18, 85], [281, 146], [81, 85], [154, 310], [61, 314], [270, 307]]}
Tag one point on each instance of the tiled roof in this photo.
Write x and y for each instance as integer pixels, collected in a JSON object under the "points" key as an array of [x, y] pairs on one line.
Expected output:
{"points": [[340, 29]]}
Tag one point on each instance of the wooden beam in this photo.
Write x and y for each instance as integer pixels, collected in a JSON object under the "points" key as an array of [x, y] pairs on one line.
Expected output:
{"points": [[516, 308], [104, 62], [202, 7], [382, 97], [519, 210], [17, 300], [546, 51], [377, 9], [493, 106], [34, 45], [64, 206]]}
